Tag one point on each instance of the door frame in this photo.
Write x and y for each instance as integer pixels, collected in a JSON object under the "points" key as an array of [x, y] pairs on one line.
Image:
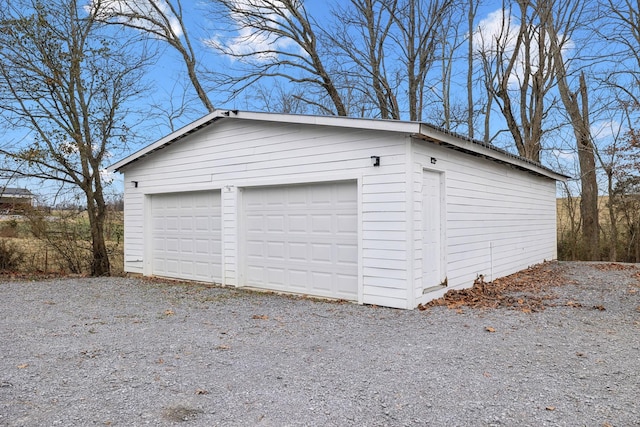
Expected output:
{"points": [[442, 250]]}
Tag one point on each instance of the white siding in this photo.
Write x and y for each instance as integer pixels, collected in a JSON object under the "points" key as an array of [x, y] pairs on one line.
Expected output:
{"points": [[233, 154], [499, 220], [133, 229]]}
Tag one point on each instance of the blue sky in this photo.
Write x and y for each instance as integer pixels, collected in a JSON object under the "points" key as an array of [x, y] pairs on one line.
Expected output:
{"points": [[168, 81]]}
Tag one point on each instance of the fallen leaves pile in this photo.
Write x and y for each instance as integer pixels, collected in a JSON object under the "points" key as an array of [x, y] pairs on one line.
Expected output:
{"points": [[528, 291]]}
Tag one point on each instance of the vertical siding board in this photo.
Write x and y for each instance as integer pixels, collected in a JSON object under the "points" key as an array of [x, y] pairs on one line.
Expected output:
{"points": [[133, 228], [229, 235]]}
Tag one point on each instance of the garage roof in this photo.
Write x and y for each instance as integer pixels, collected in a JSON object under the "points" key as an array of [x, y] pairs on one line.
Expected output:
{"points": [[417, 130]]}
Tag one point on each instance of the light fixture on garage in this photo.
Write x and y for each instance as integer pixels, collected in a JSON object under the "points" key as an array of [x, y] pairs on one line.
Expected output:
{"points": [[375, 160], [135, 184], [433, 160]]}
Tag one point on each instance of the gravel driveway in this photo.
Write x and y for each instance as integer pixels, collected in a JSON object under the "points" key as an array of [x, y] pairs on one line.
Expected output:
{"points": [[129, 352]]}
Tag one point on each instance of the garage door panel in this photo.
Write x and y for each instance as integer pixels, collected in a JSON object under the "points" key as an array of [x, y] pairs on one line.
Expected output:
{"points": [[186, 230], [170, 224], [275, 223], [321, 281], [276, 250], [172, 245], [298, 251], [322, 223], [297, 223], [345, 284], [347, 254], [302, 238], [298, 278], [276, 275], [347, 224], [321, 253]]}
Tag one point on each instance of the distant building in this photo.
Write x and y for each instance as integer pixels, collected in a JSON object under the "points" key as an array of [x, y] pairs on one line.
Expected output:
{"points": [[15, 199]]}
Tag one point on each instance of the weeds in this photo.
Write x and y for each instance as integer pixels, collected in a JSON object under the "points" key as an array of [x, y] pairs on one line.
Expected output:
{"points": [[11, 256]]}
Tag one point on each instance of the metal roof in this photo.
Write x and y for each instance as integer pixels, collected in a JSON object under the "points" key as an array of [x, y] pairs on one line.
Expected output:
{"points": [[16, 192], [417, 130]]}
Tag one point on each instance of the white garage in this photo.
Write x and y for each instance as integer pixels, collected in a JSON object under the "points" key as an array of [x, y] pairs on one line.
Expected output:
{"points": [[372, 211], [302, 239], [186, 239]]}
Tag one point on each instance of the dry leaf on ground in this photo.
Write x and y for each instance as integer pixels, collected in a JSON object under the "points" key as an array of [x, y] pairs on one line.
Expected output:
{"points": [[532, 288]]}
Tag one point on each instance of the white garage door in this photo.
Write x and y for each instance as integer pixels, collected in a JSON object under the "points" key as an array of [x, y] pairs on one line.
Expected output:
{"points": [[302, 239], [186, 236]]}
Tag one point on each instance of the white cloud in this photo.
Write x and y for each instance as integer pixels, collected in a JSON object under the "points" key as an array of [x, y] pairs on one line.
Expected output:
{"points": [[499, 32], [570, 155], [261, 45], [107, 176], [605, 129], [153, 9]]}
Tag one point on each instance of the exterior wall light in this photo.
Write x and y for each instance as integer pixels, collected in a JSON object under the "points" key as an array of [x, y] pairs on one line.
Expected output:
{"points": [[433, 160], [375, 160]]}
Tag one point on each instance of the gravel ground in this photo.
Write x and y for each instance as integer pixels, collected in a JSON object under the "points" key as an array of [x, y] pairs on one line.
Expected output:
{"points": [[129, 352]]}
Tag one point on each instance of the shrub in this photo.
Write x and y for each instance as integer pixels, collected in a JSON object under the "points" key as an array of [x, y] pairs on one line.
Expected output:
{"points": [[10, 255], [9, 228]]}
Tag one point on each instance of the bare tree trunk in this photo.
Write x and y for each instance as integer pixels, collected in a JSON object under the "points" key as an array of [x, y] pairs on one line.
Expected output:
{"points": [[100, 265], [589, 183], [282, 20], [522, 99], [613, 220], [162, 20], [418, 22], [586, 158], [73, 97], [577, 106]]}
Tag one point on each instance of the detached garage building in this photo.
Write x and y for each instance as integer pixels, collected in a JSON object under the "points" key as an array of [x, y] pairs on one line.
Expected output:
{"points": [[373, 211]]}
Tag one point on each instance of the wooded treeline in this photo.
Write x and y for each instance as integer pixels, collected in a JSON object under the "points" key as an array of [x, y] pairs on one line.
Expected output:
{"points": [[555, 82]]}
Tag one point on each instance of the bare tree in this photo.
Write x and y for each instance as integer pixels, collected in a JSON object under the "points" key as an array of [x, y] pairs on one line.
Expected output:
{"points": [[449, 40], [472, 10], [621, 28], [361, 36], [519, 71], [162, 20], [418, 23], [560, 25], [274, 39], [277, 98], [67, 83]]}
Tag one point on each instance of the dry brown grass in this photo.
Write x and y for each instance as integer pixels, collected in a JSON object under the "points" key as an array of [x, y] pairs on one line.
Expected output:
{"points": [[41, 256]]}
